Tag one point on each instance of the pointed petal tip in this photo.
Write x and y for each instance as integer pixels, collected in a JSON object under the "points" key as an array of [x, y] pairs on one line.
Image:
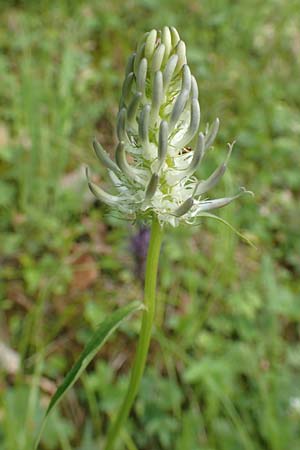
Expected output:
{"points": [[99, 193], [95, 143], [163, 126], [103, 156], [230, 148], [243, 190], [152, 186], [211, 133], [184, 207]]}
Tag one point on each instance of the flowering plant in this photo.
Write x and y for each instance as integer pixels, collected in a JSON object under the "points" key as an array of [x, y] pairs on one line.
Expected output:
{"points": [[159, 116], [154, 176], [154, 167]]}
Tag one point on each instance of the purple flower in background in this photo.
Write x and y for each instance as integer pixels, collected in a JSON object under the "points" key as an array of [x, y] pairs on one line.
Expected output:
{"points": [[139, 247]]}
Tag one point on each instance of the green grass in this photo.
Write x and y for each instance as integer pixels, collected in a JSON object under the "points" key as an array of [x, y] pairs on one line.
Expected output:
{"points": [[224, 363]]}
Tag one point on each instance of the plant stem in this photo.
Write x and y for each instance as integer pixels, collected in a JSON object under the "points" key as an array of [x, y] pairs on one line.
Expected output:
{"points": [[144, 337]]}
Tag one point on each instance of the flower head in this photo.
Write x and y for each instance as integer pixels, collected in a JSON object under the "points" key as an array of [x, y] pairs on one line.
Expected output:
{"points": [[159, 115]]}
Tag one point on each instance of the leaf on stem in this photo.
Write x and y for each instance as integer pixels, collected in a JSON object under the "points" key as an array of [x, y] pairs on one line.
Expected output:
{"points": [[102, 333]]}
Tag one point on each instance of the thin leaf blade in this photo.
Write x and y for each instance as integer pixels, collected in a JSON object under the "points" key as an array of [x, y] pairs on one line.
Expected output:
{"points": [[100, 336], [220, 219]]}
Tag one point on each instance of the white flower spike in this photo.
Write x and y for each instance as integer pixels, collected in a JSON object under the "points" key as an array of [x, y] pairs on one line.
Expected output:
{"points": [[159, 116]]}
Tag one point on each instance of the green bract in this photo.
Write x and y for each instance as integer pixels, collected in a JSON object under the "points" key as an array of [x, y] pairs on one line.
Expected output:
{"points": [[159, 115]]}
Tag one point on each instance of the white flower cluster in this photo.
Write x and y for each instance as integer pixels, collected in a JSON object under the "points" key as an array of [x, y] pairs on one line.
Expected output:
{"points": [[159, 116]]}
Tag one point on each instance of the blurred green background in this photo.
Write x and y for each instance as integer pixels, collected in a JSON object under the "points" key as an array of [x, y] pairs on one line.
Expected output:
{"points": [[224, 364]]}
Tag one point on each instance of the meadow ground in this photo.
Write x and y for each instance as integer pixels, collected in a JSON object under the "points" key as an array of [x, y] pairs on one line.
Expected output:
{"points": [[224, 364]]}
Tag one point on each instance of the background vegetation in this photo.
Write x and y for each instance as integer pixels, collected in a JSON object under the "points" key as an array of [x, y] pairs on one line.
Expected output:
{"points": [[225, 359]]}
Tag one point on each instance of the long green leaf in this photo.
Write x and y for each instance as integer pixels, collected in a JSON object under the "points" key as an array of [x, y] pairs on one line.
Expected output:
{"points": [[103, 331]]}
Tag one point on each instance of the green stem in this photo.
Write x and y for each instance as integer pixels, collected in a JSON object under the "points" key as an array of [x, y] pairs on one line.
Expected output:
{"points": [[145, 334]]}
